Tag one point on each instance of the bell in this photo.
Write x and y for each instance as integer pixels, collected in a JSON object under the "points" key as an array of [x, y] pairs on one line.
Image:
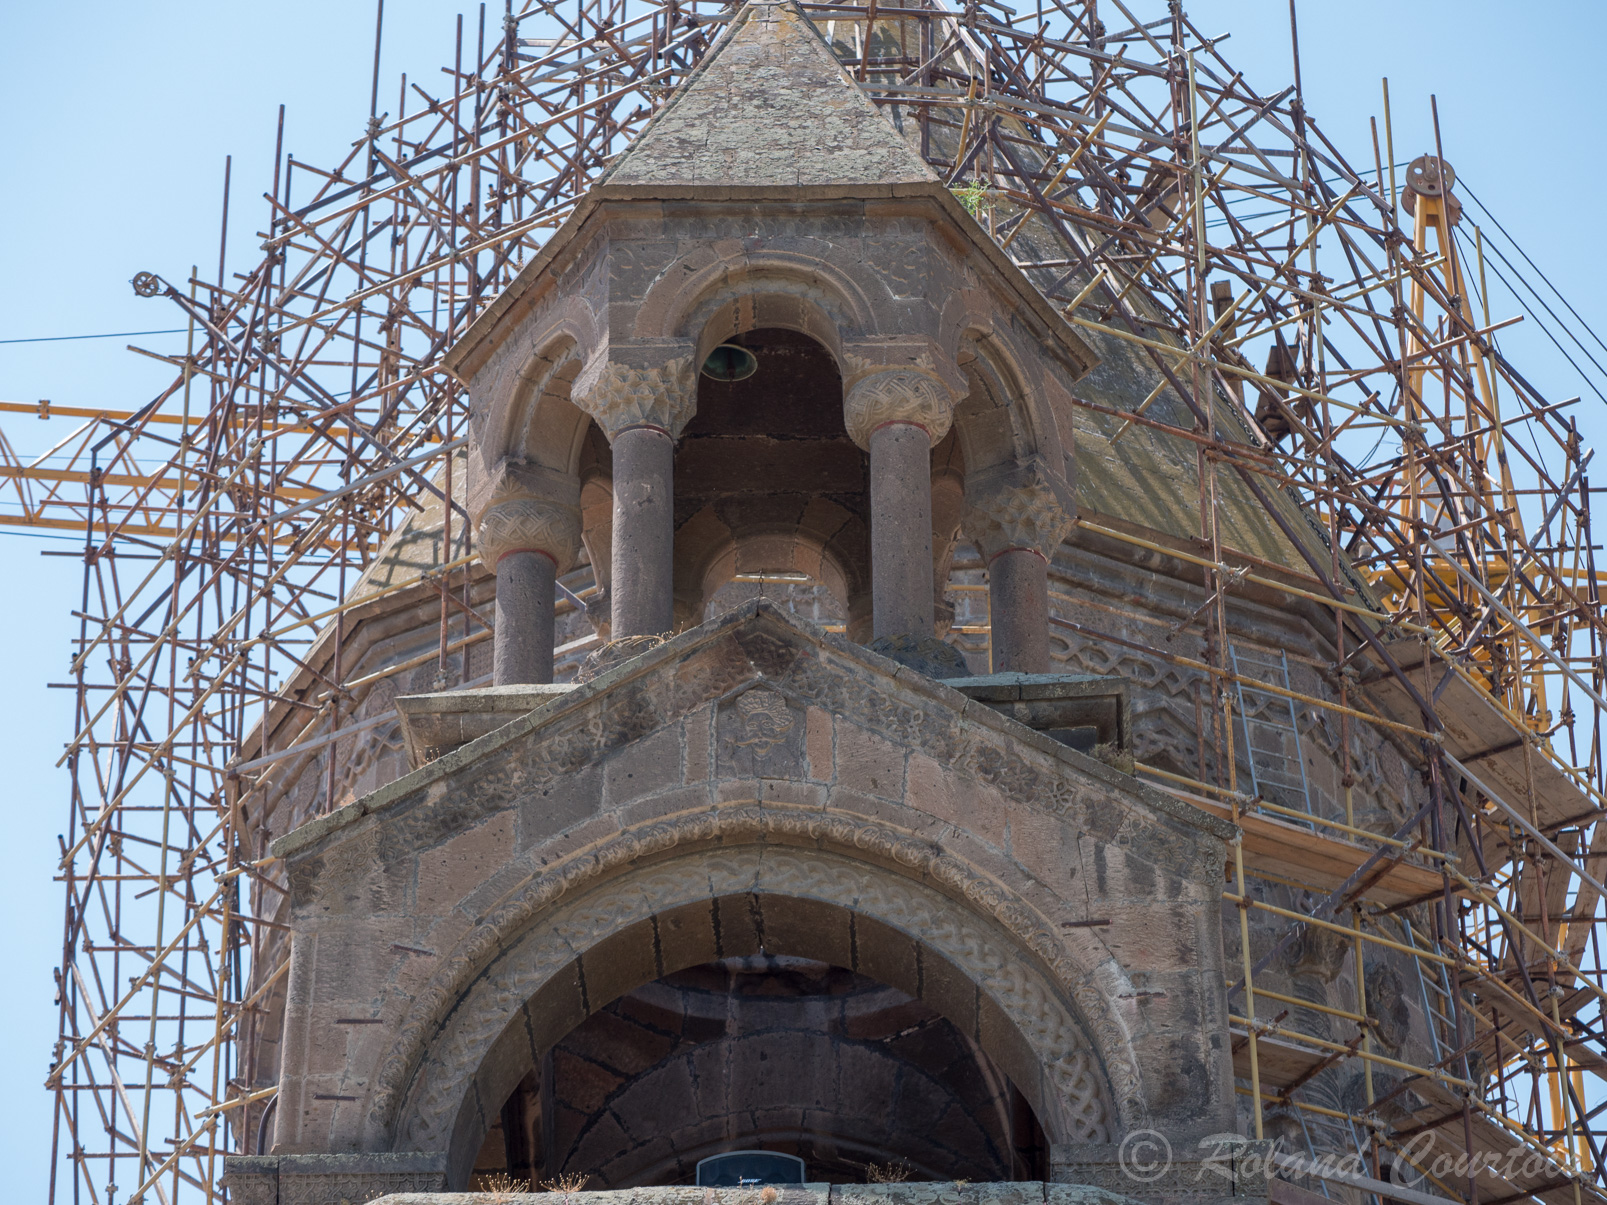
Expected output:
{"points": [[728, 362]]}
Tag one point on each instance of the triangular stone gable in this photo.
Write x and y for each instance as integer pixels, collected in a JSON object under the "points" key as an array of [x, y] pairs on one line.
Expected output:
{"points": [[770, 105], [755, 648]]}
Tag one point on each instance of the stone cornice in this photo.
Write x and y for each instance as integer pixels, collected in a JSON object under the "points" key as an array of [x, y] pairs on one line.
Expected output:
{"points": [[497, 321]]}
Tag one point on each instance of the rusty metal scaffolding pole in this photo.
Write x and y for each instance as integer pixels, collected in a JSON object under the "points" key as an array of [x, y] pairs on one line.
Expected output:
{"points": [[1309, 347]]}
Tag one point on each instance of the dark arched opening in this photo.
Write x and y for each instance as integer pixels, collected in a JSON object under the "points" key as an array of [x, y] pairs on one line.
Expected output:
{"points": [[765, 463], [764, 1052]]}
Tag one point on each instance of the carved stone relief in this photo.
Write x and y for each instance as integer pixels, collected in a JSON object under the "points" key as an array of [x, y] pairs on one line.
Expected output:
{"points": [[521, 524], [899, 395], [619, 396], [1018, 514], [761, 736]]}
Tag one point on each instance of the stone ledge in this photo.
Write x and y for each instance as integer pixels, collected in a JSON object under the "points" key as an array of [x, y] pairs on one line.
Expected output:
{"points": [[1026, 1192], [345, 1179], [1057, 703], [1234, 1170], [436, 724]]}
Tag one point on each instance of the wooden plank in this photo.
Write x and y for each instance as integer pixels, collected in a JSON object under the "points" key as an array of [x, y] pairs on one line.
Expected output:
{"points": [[1280, 1061], [1478, 734], [1293, 852]]}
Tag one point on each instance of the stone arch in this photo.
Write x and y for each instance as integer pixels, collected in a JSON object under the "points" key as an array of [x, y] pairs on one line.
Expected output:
{"points": [[829, 544], [775, 1051], [998, 421], [485, 1018], [767, 478], [710, 297], [544, 426]]}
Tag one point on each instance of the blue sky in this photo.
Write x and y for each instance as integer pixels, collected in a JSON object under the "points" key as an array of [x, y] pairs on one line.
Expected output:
{"points": [[118, 118]]}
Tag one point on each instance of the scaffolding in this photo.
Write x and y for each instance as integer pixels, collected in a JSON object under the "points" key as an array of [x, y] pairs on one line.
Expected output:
{"points": [[1321, 341]]}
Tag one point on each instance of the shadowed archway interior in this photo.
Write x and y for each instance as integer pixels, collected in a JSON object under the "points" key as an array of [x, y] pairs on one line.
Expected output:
{"points": [[767, 481], [764, 1051]]}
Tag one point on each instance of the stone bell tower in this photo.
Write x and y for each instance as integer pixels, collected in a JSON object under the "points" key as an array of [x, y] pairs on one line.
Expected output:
{"points": [[768, 195], [752, 884]]}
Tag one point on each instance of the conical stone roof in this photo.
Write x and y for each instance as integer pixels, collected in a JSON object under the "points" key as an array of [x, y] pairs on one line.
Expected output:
{"points": [[770, 105]]}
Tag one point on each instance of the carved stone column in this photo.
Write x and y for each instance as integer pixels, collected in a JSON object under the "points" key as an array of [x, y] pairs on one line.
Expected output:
{"points": [[1017, 519], [897, 415], [642, 411], [528, 541]]}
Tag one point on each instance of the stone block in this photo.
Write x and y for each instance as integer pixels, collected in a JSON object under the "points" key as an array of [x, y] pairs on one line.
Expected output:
{"points": [[868, 763], [887, 956], [1082, 1194], [799, 794], [619, 963], [251, 1179], [685, 936], [436, 724], [331, 1179], [557, 1008], [558, 804], [818, 743], [760, 734], [941, 1193], [738, 928], [446, 872], [807, 929], [1159, 1174], [643, 767], [947, 989], [695, 734]]}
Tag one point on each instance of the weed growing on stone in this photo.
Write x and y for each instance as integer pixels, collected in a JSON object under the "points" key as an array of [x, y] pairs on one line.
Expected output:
{"points": [[973, 196], [500, 1185], [886, 1173], [565, 1182]]}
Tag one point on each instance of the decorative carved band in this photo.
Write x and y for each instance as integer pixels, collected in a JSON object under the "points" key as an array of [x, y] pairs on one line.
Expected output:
{"points": [[1025, 513], [622, 397], [524, 524], [1072, 1067], [898, 395]]}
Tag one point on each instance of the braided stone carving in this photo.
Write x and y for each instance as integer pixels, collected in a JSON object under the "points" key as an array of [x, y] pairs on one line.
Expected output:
{"points": [[1024, 514], [897, 395], [525, 524], [622, 397], [438, 1069]]}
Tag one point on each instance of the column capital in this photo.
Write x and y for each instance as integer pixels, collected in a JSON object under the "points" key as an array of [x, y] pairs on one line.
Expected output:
{"points": [[1019, 506], [897, 395], [522, 523], [621, 395]]}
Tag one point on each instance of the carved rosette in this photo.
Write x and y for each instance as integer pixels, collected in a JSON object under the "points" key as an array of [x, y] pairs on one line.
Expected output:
{"points": [[622, 397], [525, 524], [1025, 514], [897, 395]]}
